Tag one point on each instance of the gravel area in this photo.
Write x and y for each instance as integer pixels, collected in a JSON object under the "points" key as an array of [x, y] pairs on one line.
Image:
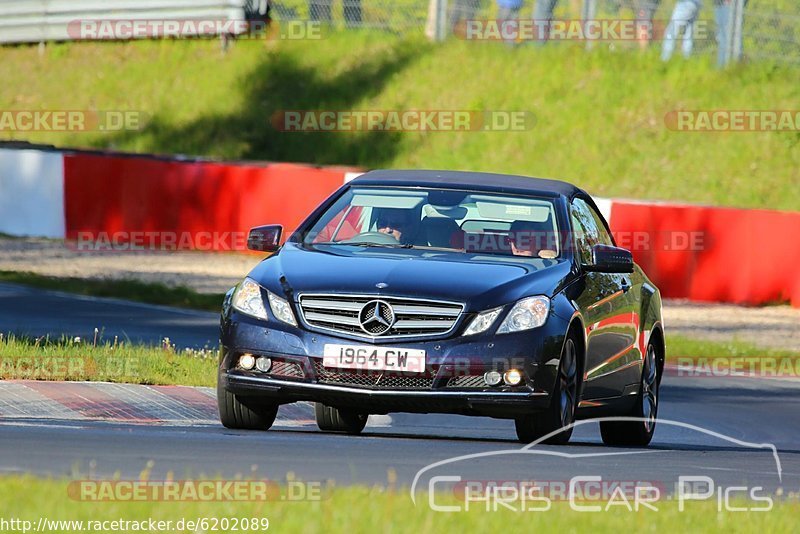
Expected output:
{"points": [[771, 326], [201, 271]]}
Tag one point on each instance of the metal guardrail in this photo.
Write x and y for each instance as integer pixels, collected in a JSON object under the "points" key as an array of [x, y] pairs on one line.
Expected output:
{"points": [[31, 21]]}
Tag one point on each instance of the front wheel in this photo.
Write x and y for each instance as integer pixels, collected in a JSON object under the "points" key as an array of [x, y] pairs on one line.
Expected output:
{"points": [[244, 414], [561, 412], [638, 433], [335, 420]]}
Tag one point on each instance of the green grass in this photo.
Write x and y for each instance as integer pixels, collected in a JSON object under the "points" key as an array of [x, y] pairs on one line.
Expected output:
{"points": [[599, 115], [148, 292], [735, 355], [120, 361], [683, 347], [361, 509], [23, 358]]}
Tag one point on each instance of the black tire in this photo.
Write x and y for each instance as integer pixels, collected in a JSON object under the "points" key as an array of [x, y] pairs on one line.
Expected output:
{"points": [[335, 420], [244, 414], [638, 433], [561, 412]]}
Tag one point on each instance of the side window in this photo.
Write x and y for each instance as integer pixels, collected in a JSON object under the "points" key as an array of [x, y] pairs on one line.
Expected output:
{"points": [[587, 232], [605, 237]]}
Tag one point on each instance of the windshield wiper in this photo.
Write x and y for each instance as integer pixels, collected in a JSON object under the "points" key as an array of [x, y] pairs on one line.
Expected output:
{"points": [[366, 244]]}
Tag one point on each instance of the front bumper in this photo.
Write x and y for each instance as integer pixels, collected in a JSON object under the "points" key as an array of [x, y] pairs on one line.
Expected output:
{"points": [[531, 352], [380, 401]]}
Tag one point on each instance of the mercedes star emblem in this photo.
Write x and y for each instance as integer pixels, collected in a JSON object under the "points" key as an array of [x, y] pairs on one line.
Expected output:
{"points": [[376, 317]]}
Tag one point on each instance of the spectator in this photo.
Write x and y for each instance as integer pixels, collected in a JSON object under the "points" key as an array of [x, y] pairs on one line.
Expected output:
{"points": [[462, 11], [320, 10], [645, 10], [508, 18], [352, 12], [543, 11], [682, 21]]}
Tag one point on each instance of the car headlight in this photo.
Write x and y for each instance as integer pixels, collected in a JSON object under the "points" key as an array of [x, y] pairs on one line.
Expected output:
{"points": [[526, 314], [281, 309], [482, 322], [247, 299]]}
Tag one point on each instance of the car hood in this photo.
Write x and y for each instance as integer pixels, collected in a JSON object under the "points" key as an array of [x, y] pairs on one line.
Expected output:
{"points": [[478, 281]]}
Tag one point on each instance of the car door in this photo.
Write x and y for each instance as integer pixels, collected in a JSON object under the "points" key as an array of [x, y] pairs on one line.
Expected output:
{"points": [[607, 304]]}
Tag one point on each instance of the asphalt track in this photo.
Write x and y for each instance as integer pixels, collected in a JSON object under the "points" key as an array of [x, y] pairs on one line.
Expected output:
{"points": [[720, 427]]}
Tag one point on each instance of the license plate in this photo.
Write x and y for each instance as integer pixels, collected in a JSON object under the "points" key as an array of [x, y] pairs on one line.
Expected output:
{"points": [[374, 358]]}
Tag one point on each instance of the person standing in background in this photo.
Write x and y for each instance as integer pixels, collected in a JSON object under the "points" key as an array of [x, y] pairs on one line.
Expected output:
{"points": [[508, 19], [645, 10], [352, 12], [321, 10], [543, 12], [682, 21], [462, 11]]}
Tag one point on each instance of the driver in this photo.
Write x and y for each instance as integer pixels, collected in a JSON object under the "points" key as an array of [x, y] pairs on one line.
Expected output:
{"points": [[528, 238], [396, 223]]}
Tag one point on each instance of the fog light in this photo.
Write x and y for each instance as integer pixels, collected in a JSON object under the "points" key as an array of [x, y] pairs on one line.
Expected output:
{"points": [[263, 364], [247, 362], [492, 378], [513, 377]]}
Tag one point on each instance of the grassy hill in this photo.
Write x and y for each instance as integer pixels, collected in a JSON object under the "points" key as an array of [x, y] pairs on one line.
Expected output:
{"points": [[599, 115]]}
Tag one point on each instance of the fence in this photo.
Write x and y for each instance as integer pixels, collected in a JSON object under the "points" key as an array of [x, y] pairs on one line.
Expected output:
{"points": [[758, 30], [761, 30]]}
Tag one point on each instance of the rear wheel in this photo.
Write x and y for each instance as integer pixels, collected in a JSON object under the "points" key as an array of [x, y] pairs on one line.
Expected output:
{"points": [[638, 433], [244, 413], [335, 420], [561, 412]]}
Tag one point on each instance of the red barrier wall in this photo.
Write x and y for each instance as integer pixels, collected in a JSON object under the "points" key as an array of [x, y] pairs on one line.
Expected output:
{"points": [[695, 252], [115, 194], [714, 254]]}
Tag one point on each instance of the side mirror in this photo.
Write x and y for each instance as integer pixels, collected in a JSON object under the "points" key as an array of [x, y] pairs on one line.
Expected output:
{"points": [[608, 259], [265, 238]]}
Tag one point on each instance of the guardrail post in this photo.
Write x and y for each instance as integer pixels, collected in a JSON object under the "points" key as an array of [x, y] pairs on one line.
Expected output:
{"points": [[441, 20], [737, 26], [733, 32], [589, 12]]}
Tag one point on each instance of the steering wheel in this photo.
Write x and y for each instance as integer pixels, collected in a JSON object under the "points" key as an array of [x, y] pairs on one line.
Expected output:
{"points": [[378, 238]]}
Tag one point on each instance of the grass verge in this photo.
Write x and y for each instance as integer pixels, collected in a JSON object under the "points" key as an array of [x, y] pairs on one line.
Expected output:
{"points": [[360, 509], [684, 347], [600, 115], [118, 361], [23, 358], [731, 358], [148, 292]]}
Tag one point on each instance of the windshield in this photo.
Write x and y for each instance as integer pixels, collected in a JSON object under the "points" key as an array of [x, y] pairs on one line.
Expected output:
{"points": [[458, 221]]}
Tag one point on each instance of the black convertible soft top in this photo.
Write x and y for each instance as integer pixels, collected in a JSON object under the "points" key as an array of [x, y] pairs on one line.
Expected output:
{"points": [[486, 181]]}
